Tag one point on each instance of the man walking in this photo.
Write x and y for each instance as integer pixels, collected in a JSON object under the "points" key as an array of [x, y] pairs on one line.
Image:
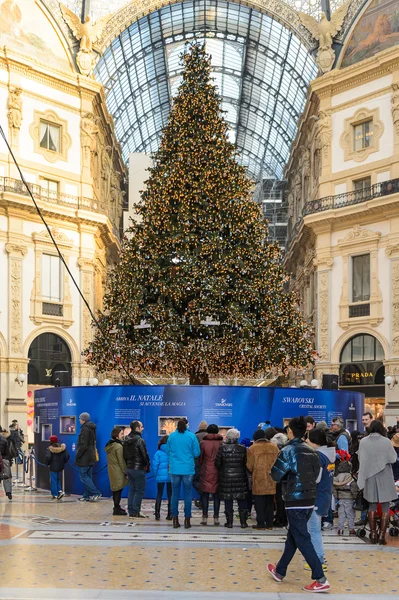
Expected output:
{"points": [[86, 458], [298, 467], [7, 460], [138, 464]]}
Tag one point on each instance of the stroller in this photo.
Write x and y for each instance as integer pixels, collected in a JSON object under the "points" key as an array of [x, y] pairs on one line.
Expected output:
{"points": [[393, 526]]}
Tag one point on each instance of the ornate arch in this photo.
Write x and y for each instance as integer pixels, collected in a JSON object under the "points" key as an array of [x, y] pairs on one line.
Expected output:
{"points": [[353, 332], [136, 9], [3, 346], [68, 339]]}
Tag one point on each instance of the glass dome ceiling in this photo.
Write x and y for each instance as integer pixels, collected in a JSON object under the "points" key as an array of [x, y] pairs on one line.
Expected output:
{"points": [[261, 70]]}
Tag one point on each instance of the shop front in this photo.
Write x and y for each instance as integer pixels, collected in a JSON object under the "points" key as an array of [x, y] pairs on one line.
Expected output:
{"points": [[362, 370]]}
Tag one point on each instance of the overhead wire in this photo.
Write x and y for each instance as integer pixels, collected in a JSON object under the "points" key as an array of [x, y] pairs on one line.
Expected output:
{"points": [[61, 257]]}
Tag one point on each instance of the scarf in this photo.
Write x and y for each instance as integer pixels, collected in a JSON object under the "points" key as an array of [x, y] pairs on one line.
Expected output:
{"points": [[375, 453]]}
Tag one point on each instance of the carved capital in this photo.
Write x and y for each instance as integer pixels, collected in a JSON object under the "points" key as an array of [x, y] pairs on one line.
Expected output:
{"points": [[392, 251], [86, 263], [12, 248]]}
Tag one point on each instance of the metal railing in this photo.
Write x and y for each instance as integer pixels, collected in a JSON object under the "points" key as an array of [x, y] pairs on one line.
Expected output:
{"points": [[16, 186], [378, 190], [386, 188]]}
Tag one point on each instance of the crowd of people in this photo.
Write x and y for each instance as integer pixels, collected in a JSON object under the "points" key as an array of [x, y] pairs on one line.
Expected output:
{"points": [[295, 477]]}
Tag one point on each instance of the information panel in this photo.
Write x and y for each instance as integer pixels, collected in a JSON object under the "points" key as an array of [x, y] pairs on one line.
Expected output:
{"points": [[159, 407]]}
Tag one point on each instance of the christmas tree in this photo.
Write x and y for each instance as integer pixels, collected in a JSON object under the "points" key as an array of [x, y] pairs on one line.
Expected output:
{"points": [[199, 291]]}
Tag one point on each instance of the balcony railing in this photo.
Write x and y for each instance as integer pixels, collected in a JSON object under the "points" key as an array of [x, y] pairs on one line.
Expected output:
{"points": [[16, 186], [386, 188]]}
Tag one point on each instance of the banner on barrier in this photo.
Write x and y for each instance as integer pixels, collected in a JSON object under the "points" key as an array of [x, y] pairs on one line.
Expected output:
{"points": [[159, 407]]}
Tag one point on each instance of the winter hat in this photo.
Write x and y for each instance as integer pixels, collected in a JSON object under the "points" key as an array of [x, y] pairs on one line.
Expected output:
{"points": [[53, 439], [203, 425], [246, 442], [259, 435], [395, 440], [84, 417], [322, 425]]}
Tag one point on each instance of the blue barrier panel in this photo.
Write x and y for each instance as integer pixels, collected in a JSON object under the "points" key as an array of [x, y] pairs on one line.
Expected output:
{"points": [[158, 407]]}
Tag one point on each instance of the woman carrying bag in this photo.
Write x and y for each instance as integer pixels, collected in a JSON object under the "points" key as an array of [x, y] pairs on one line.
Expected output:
{"points": [[376, 456]]}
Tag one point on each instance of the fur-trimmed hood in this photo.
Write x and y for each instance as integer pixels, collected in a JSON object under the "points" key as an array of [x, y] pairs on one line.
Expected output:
{"points": [[6, 434], [57, 449]]}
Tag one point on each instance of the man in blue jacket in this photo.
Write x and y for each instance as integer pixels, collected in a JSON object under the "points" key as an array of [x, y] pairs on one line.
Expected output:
{"points": [[298, 468]]}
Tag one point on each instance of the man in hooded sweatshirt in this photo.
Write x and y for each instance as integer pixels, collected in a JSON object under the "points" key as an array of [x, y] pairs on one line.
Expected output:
{"points": [[86, 458], [56, 458]]}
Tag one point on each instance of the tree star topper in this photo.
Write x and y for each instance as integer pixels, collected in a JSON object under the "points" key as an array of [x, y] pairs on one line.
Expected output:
{"points": [[324, 32]]}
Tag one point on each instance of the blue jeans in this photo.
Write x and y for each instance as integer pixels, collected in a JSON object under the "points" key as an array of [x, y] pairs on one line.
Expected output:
{"points": [[187, 481], [86, 477], [55, 480], [137, 481], [314, 528], [298, 538]]}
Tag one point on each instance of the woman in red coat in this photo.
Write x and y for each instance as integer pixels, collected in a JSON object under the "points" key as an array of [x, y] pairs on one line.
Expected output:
{"points": [[209, 474]]}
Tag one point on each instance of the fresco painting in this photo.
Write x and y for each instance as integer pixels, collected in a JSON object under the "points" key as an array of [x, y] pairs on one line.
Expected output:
{"points": [[377, 30], [20, 22]]}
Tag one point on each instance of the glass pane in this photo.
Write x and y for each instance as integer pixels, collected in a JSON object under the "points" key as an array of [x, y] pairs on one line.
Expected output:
{"points": [[357, 349], [346, 355], [379, 351], [54, 138], [43, 134], [368, 133], [55, 278], [366, 277], [46, 276], [368, 347], [357, 265]]}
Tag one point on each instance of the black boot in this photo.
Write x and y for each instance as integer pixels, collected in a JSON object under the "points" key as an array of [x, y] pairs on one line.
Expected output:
{"points": [[158, 510], [118, 511], [169, 515], [243, 518], [176, 523], [229, 520], [9, 495], [187, 523]]}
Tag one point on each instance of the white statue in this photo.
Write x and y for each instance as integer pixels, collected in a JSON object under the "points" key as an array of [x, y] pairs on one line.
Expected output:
{"points": [[324, 32]]}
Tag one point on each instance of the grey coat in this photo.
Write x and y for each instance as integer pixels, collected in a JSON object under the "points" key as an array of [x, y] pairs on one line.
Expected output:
{"points": [[376, 455]]}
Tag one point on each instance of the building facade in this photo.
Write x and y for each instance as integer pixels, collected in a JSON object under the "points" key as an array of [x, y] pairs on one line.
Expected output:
{"points": [[343, 208], [62, 137]]}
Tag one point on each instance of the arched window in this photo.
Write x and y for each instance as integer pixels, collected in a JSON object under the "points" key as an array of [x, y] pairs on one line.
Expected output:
{"points": [[361, 361], [362, 348], [49, 361]]}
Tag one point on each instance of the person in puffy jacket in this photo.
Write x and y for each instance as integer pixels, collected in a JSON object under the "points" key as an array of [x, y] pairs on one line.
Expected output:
{"points": [[298, 467], [317, 439], [231, 460], [395, 465], [160, 467], [209, 474], [56, 458], [138, 464], [116, 469], [345, 491], [182, 448], [86, 458], [5, 454]]}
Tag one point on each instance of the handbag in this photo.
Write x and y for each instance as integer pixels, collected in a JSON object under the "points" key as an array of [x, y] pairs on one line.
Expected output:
{"points": [[360, 503]]}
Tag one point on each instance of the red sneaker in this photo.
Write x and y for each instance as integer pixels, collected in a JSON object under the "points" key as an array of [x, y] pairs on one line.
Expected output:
{"points": [[316, 586], [274, 574]]}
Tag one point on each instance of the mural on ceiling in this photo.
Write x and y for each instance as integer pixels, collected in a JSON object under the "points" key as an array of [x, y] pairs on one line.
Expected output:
{"points": [[25, 28], [378, 29]]}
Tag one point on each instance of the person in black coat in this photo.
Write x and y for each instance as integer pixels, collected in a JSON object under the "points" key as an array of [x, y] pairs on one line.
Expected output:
{"points": [[86, 457], [138, 464], [7, 459], [56, 458], [231, 460]]}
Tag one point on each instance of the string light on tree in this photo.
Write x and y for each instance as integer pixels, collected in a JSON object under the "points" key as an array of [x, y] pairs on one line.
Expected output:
{"points": [[199, 290]]}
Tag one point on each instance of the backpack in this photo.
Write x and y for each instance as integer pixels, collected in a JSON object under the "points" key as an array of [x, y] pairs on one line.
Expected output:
{"points": [[12, 448]]}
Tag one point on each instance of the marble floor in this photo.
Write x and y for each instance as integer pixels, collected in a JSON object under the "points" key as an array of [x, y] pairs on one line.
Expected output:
{"points": [[68, 549]]}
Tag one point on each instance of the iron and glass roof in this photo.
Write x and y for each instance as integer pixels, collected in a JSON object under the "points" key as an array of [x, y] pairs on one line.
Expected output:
{"points": [[261, 69]]}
